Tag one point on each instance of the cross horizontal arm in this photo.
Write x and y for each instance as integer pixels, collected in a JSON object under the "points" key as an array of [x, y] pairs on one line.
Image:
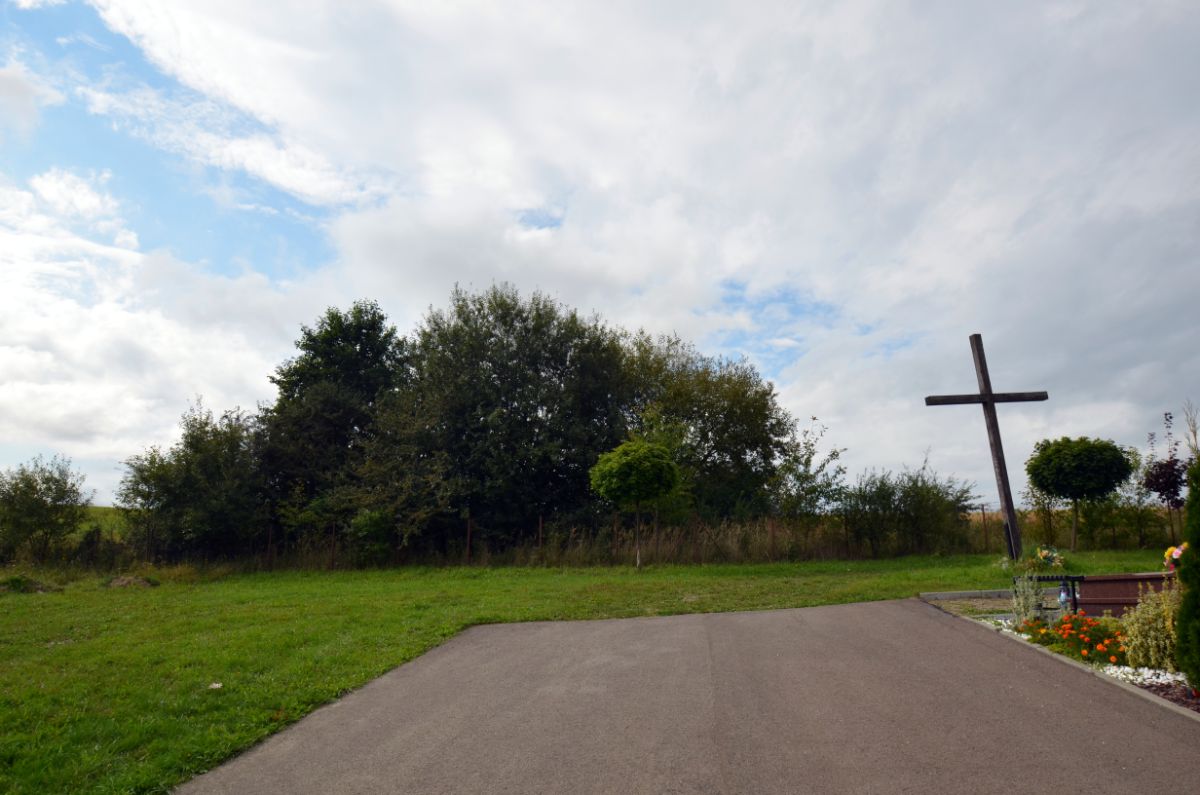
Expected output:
{"points": [[998, 397]]}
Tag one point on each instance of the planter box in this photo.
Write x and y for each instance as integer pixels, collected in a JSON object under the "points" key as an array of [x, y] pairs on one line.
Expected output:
{"points": [[1117, 592]]}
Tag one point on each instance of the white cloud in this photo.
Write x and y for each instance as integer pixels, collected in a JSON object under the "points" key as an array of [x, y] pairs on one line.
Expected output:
{"points": [[842, 191], [102, 347], [22, 94], [206, 132]]}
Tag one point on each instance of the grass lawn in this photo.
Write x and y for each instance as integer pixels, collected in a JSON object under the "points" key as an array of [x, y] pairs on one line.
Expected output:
{"points": [[108, 690]]}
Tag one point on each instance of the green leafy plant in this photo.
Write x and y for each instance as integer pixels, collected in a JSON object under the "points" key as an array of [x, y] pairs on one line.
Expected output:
{"points": [[1091, 640], [1188, 628], [633, 473], [1026, 599], [1150, 628], [1078, 470]]}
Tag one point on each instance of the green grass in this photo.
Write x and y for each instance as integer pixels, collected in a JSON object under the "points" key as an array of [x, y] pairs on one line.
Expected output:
{"points": [[107, 690]]}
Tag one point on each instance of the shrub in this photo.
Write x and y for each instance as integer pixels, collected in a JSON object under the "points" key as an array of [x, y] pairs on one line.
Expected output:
{"points": [[1150, 629], [1026, 600], [1187, 651], [41, 504], [915, 512]]}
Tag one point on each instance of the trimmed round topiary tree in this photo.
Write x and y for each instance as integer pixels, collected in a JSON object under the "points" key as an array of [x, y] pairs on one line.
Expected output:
{"points": [[633, 473], [1187, 649], [1077, 470]]}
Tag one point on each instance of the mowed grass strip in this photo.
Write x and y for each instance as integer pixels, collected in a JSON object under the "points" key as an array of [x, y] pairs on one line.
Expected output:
{"points": [[112, 690]]}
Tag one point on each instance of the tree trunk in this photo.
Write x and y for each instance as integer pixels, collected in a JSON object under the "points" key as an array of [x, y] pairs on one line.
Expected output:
{"points": [[657, 555], [468, 559], [1074, 523], [539, 531], [637, 535], [332, 547]]}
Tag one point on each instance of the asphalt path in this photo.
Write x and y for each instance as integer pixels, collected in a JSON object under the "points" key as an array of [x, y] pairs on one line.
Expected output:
{"points": [[879, 697]]}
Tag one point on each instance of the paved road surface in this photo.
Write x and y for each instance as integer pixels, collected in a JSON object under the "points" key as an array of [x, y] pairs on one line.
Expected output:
{"points": [[867, 698]]}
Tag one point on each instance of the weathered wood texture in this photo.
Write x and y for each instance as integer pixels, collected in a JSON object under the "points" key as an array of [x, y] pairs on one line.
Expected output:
{"points": [[988, 399]]}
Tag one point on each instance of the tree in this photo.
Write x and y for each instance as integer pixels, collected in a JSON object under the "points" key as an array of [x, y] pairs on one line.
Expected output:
{"points": [[522, 395], [806, 485], [633, 473], [735, 433], [1188, 626], [41, 504], [202, 497], [325, 412], [1078, 470], [1166, 477]]}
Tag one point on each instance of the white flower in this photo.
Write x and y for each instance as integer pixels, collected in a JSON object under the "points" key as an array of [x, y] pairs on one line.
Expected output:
{"points": [[215, 686]]}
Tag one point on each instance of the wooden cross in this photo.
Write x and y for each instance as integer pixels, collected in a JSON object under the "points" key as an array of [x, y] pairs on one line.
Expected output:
{"points": [[988, 399]]}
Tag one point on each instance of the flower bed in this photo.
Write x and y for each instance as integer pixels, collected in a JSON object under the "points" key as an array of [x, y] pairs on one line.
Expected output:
{"points": [[1100, 642]]}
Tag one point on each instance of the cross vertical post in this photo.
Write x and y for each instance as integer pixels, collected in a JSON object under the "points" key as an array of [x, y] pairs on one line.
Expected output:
{"points": [[990, 419], [988, 399]]}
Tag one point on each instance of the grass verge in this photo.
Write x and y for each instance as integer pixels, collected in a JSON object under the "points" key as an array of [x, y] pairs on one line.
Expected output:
{"points": [[110, 690]]}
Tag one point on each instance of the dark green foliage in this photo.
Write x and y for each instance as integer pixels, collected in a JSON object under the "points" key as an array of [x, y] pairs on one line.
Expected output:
{"points": [[402, 484], [1188, 628], [203, 496], [521, 396], [1078, 470], [41, 504], [733, 434], [480, 428], [808, 485], [324, 413], [915, 512]]}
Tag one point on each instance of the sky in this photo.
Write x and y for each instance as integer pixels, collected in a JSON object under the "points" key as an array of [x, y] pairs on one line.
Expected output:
{"points": [[840, 192]]}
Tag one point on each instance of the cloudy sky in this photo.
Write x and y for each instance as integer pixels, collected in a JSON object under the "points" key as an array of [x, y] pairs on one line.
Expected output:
{"points": [[842, 192]]}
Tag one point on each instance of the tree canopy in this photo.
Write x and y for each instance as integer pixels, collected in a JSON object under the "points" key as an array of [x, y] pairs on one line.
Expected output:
{"points": [[483, 422], [41, 503], [1077, 470]]}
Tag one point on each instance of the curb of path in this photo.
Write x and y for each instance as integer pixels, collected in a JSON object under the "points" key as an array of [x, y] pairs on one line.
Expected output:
{"points": [[1145, 694]]}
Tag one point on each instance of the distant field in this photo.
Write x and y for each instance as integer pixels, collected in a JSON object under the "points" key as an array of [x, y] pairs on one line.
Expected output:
{"points": [[111, 690]]}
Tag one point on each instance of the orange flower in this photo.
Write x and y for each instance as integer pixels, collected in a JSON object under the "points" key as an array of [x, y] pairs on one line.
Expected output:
{"points": [[1084, 652], [1100, 647], [1112, 659]]}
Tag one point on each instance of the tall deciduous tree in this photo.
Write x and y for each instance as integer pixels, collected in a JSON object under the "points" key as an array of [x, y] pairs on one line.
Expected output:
{"points": [[325, 412], [41, 503], [632, 474], [520, 395], [1078, 470], [734, 432]]}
